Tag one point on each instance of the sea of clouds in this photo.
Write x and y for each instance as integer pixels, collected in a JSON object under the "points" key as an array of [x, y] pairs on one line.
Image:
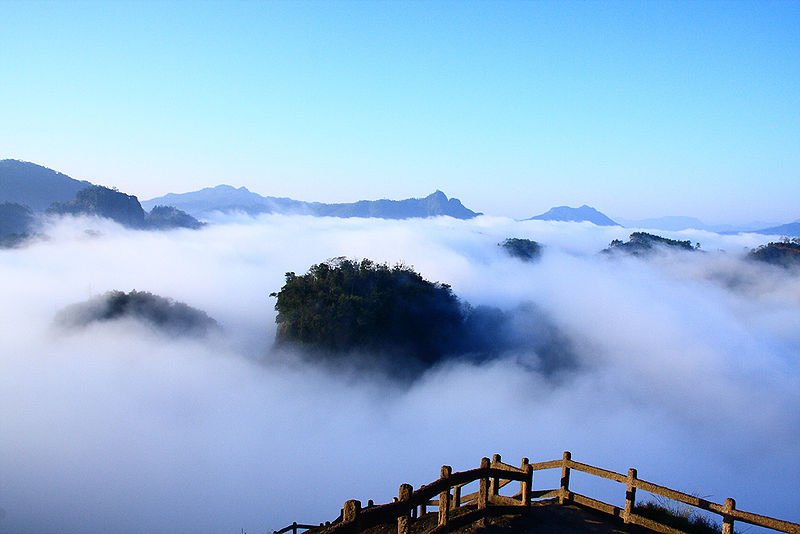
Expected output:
{"points": [[688, 369]]}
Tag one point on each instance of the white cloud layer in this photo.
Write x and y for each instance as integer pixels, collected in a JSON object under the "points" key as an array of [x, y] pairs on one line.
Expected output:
{"points": [[689, 372]]}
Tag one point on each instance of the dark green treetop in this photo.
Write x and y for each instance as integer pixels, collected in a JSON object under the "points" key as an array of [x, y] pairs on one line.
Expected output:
{"points": [[344, 305], [785, 253], [164, 314], [523, 249], [641, 243]]}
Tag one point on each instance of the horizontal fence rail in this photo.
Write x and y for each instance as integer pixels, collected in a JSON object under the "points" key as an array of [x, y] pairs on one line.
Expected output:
{"points": [[727, 511], [455, 509], [294, 527]]}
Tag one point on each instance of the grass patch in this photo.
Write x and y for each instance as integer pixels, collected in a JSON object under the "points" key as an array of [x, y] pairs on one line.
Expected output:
{"points": [[682, 518]]}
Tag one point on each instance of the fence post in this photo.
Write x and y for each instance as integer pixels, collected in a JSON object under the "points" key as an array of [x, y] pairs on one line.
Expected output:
{"points": [[630, 495], [350, 511], [456, 502], [294, 527], [525, 485], [404, 520], [444, 497], [483, 493], [727, 520], [564, 493], [494, 482]]}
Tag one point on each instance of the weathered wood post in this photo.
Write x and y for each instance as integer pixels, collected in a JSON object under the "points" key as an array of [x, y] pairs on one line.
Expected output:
{"points": [[727, 520], [494, 483], [630, 495], [456, 502], [294, 527], [563, 496], [350, 511], [404, 520], [444, 497], [483, 493], [525, 485]]}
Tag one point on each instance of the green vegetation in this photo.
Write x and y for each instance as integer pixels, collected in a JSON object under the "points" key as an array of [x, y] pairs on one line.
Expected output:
{"points": [[523, 249], [391, 318], [785, 253], [345, 305], [642, 243], [684, 519], [162, 313], [168, 217]]}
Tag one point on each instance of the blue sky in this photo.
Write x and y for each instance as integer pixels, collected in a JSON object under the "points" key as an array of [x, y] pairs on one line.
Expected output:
{"points": [[637, 108]]}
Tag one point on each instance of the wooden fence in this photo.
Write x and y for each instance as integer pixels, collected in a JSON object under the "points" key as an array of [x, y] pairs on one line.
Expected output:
{"points": [[455, 509]]}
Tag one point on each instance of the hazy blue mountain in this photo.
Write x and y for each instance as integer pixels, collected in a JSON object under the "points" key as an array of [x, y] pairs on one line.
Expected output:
{"points": [[790, 229], [15, 218], [124, 209], [103, 202], [35, 186], [672, 223], [225, 198], [677, 223], [431, 206], [17, 223], [566, 213]]}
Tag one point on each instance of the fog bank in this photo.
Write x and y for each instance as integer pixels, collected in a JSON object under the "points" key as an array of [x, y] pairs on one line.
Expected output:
{"points": [[688, 369]]}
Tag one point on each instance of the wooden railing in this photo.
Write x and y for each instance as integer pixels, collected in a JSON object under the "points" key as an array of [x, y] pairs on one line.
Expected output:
{"points": [[455, 509], [294, 527]]}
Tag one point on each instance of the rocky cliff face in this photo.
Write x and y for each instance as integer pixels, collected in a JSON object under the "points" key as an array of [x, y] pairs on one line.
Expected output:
{"points": [[104, 202]]}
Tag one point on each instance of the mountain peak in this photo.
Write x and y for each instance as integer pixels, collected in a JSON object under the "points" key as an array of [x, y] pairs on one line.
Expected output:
{"points": [[568, 214]]}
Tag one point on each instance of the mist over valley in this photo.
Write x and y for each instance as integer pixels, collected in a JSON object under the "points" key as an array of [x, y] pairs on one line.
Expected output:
{"points": [[681, 363], [261, 258]]}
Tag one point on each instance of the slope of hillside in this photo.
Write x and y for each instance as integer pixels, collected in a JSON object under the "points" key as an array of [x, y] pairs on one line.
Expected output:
{"points": [[35, 186], [790, 229]]}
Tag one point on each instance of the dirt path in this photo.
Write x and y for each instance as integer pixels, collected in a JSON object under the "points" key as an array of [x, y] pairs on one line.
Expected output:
{"points": [[541, 519], [555, 519]]}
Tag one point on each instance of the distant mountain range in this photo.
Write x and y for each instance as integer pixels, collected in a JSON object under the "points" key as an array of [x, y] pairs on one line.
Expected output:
{"points": [[670, 223], [583, 214], [27, 190], [673, 223], [678, 223], [35, 186], [226, 199], [791, 229]]}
